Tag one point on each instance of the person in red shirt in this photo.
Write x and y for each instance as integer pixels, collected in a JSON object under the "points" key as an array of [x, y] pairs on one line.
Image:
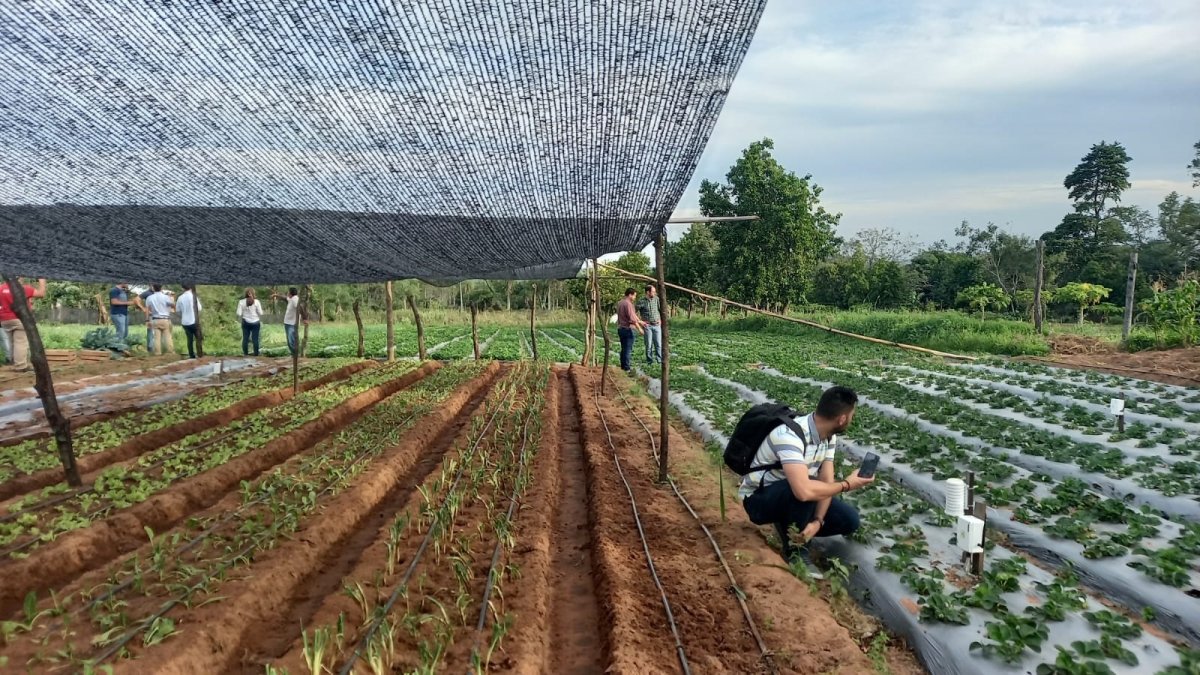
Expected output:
{"points": [[12, 325], [627, 322]]}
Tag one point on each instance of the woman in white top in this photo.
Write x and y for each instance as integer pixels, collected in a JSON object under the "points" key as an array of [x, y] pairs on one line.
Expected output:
{"points": [[250, 311]]}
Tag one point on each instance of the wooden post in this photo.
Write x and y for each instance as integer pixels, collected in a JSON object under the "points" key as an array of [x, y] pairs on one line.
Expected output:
{"points": [[101, 310], [420, 328], [300, 314], [1130, 285], [1039, 281], [607, 349], [44, 382], [980, 512], [532, 329], [362, 339], [306, 295], [665, 353], [968, 505], [391, 323], [199, 327], [475, 329]]}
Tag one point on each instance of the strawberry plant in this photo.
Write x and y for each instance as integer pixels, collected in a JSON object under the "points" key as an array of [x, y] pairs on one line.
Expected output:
{"points": [[1011, 636]]}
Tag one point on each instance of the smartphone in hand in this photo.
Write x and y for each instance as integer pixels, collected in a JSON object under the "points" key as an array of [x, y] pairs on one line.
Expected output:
{"points": [[868, 466]]}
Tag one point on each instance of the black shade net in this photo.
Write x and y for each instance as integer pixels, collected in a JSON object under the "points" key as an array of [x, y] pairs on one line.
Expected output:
{"points": [[240, 141]]}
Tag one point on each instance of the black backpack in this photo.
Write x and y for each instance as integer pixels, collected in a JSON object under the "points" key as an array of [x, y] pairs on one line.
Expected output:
{"points": [[751, 430]]}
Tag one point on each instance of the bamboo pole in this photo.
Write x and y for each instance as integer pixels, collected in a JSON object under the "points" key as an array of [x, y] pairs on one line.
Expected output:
{"points": [[532, 329], [391, 322], [1130, 287], [362, 338], [607, 348], [475, 330], [420, 328], [811, 324], [665, 353], [304, 300], [44, 382]]}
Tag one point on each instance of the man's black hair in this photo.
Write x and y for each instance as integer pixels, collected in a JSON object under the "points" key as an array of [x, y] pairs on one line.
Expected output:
{"points": [[836, 401], [629, 292], [649, 287], [187, 287], [157, 287], [292, 290]]}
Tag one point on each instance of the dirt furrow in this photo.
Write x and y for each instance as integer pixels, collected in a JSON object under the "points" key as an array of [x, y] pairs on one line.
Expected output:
{"points": [[635, 632], [319, 599], [130, 448], [219, 635], [80, 550]]}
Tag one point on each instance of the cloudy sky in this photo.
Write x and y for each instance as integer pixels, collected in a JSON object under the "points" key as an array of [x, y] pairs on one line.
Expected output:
{"points": [[917, 115]]}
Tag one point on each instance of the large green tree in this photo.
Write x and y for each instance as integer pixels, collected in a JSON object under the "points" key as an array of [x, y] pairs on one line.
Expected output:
{"points": [[691, 261], [768, 262], [1179, 221], [1101, 176], [940, 274], [1008, 260]]}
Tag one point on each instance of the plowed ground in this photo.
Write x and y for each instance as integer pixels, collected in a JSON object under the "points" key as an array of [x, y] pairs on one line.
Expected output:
{"points": [[337, 552]]}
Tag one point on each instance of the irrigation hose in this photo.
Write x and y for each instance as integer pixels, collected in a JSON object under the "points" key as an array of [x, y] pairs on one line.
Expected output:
{"points": [[391, 602], [645, 544], [512, 507], [767, 656]]}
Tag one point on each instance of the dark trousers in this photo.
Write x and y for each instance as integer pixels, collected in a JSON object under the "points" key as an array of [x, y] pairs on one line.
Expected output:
{"points": [[626, 335], [250, 333], [191, 337], [776, 505]]}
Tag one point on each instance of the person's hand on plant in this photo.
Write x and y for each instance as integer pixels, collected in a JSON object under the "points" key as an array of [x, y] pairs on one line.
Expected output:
{"points": [[811, 530]]}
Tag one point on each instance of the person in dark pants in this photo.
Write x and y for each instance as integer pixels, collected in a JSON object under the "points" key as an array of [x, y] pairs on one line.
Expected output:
{"points": [[250, 311], [800, 494], [187, 317], [627, 322]]}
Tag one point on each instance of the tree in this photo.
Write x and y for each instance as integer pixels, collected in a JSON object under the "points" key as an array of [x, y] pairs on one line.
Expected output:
{"points": [[983, 296], [1081, 294], [1008, 260], [1100, 177], [1194, 167], [940, 274], [842, 282], [1138, 223], [1179, 222], [612, 284], [1084, 241], [691, 261], [768, 262], [891, 285], [883, 243]]}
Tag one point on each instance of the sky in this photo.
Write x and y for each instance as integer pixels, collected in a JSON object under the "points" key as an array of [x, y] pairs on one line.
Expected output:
{"points": [[919, 115]]}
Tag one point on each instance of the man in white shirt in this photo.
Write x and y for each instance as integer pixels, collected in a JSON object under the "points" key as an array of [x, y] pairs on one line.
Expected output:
{"points": [[798, 490], [187, 316], [291, 317], [158, 308]]}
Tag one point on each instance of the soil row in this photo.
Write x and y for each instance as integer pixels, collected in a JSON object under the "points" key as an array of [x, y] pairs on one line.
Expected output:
{"points": [[124, 531], [137, 445], [261, 615]]}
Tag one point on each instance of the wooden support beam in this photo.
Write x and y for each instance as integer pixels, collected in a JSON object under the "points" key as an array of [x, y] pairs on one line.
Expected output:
{"points": [[44, 382], [980, 512], [306, 296], [803, 322], [391, 322], [607, 350], [420, 328], [475, 330], [1130, 287], [665, 379], [362, 338], [532, 321]]}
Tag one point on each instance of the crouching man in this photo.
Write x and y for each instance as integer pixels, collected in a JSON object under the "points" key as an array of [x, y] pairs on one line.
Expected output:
{"points": [[791, 482]]}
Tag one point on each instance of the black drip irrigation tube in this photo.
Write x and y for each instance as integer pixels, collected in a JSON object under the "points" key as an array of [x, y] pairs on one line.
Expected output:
{"points": [[683, 662], [412, 566], [767, 656]]}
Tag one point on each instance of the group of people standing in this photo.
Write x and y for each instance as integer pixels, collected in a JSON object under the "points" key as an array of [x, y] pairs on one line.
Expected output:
{"points": [[158, 305], [645, 317]]}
